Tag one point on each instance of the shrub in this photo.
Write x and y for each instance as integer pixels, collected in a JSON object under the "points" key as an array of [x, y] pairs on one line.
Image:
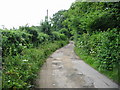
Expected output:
{"points": [[43, 37], [103, 45], [19, 71], [65, 32], [14, 42]]}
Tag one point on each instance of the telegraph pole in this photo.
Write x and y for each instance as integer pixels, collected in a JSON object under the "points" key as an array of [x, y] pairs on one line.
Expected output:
{"points": [[47, 15], [47, 28]]}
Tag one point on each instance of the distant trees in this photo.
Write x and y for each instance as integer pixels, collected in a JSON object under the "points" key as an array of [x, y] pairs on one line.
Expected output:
{"points": [[57, 20], [45, 27]]}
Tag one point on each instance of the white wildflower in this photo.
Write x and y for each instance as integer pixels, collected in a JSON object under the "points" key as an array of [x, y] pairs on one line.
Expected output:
{"points": [[8, 80], [20, 44], [106, 8], [25, 60]]}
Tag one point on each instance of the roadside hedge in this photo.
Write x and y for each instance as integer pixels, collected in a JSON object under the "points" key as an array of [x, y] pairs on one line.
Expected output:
{"points": [[20, 71], [103, 46]]}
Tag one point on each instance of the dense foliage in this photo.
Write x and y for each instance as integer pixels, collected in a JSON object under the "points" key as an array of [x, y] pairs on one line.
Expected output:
{"points": [[95, 28], [24, 50], [103, 45], [19, 71]]}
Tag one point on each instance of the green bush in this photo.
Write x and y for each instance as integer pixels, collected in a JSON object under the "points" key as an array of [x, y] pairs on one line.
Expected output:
{"points": [[65, 32], [58, 36], [14, 42], [20, 71], [101, 51], [103, 45], [55, 35], [42, 37], [24, 51]]}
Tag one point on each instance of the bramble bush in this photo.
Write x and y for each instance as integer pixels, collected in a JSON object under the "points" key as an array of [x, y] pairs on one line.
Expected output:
{"points": [[24, 51], [20, 71]]}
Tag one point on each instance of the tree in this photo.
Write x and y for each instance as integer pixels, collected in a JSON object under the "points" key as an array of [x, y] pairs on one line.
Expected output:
{"points": [[57, 20], [45, 27]]}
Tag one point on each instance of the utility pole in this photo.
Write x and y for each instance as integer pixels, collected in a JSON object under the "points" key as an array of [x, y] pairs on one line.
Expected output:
{"points": [[47, 15], [46, 19]]}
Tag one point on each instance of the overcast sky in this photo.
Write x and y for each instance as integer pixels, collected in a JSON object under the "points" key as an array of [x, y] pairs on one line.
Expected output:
{"points": [[14, 13]]}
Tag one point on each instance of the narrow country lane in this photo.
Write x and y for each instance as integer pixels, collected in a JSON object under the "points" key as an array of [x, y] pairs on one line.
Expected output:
{"points": [[63, 69]]}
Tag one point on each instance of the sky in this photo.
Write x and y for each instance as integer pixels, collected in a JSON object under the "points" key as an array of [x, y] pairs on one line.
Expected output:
{"points": [[15, 13]]}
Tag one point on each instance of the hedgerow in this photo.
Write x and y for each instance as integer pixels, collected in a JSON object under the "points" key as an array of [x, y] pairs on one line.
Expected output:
{"points": [[20, 71], [94, 27], [24, 51], [103, 47]]}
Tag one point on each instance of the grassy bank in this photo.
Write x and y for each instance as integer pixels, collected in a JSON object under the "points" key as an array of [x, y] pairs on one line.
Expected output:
{"points": [[19, 71]]}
